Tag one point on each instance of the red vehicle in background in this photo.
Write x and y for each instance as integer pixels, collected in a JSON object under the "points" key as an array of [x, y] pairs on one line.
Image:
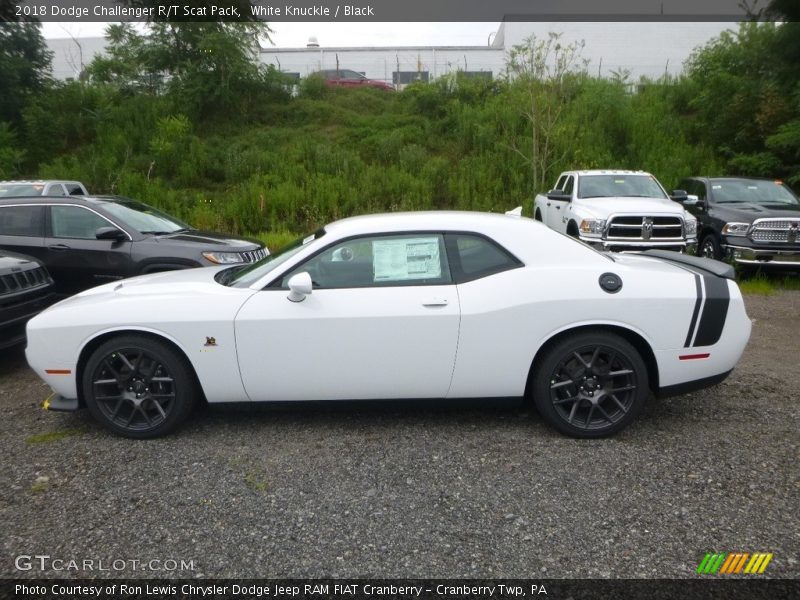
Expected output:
{"points": [[350, 78]]}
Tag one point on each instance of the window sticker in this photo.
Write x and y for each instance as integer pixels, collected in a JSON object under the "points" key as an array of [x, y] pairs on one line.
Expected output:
{"points": [[410, 258], [716, 187]]}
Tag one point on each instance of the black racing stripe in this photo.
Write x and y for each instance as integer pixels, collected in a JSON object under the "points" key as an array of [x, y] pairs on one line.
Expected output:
{"points": [[715, 311], [696, 312]]}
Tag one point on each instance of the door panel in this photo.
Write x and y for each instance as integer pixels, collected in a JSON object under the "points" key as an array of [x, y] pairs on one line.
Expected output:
{"points": [[75, 258], [557, 208], [22, 229], [357, 343]]}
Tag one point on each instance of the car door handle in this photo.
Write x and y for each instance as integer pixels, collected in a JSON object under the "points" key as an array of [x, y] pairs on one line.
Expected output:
{"points": [[435, 302], [58, 247], [548, 204], [558, 207]]}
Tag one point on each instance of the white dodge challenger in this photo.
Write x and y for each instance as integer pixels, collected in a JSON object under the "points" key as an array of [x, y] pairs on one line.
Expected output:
{"points": [[400, 306]]}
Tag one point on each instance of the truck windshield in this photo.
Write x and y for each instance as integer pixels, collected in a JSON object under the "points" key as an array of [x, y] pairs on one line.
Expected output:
{"points": [[752, 190], [619, 186]]}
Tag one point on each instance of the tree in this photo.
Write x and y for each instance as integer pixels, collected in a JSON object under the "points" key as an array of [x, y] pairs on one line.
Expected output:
{"points": [[24, 67], [539, 71], [747, 100], [207, 66]]}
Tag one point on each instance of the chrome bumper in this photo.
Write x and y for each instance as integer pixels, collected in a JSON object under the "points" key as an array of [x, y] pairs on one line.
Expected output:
{"points": [[752, 256], [637, 245]]}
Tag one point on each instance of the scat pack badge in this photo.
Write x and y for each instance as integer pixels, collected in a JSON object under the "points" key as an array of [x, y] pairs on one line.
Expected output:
{"points": [[210, 342]]}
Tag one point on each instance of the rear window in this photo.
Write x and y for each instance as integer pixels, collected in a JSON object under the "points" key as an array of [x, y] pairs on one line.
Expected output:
{"points": [[475, 257], [22, 220]]}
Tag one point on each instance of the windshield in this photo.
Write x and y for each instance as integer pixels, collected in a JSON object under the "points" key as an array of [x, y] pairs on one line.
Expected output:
{"points": [[144, 218], [21, 190], [752, 190], [252, 273], [619, 186]]}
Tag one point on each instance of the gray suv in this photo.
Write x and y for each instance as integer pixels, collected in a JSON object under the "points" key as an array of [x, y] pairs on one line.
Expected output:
{"points": [[86, 241]]}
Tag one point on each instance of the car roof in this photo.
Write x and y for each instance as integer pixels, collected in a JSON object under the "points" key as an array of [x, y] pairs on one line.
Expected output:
{"points": [[426, 221], [37, 181], [734, 177], [610, 172], [95, 200]]}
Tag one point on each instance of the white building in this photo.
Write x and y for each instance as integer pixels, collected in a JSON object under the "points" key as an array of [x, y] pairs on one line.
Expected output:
{"points": [[641, 49], [72, 55]]}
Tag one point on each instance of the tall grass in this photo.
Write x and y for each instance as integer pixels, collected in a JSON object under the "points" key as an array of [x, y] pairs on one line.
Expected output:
{"points": [[330, 153]]}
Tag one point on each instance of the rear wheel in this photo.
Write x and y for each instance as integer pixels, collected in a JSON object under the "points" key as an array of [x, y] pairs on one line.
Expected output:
{"points": [[138, 387], [590, 384]]}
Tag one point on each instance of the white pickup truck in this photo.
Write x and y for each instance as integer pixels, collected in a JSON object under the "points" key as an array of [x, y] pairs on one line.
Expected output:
{"points": [[617, 210]]}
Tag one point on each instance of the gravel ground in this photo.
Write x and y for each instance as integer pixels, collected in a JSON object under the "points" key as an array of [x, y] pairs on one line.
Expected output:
{"points": [[409, 491]]}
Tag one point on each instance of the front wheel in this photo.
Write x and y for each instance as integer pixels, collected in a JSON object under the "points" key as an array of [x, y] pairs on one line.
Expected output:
{"points": [[138, 387], [709, 247], [590, 384]]}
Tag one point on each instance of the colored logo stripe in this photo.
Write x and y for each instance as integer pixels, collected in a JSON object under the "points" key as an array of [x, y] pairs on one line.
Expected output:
{"points": [[733, 563]]}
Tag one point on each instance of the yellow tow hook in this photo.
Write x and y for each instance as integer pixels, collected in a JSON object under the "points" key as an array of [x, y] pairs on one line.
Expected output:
{"points": [[46, 403]]}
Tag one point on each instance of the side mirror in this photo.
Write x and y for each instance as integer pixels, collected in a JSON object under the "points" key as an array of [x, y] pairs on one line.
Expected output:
{"points": [[110, 233], [680, 196], [691, 200], [299, 287], [558, 195]]}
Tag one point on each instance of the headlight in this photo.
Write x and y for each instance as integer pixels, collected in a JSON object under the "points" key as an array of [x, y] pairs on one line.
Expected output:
{"points": [[223, 258], [691, 228], [593, 227], [736, 228]]}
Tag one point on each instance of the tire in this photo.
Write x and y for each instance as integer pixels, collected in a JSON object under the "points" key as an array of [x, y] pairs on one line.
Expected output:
{"points": [[538, 215], [572, 230], [709, 247], [590, 384], [138, 387]]}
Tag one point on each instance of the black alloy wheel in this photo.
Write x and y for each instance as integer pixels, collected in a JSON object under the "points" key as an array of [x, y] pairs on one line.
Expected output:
{"points": [[138, 386], [591, 384]]}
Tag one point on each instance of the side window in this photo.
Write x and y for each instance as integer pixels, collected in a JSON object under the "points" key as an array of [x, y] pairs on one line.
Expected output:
{"points": [[54, 189], [75, 222], [417, 259], [474, 257], [560, 182], [74, 190], [569, 185], [22, 220]]}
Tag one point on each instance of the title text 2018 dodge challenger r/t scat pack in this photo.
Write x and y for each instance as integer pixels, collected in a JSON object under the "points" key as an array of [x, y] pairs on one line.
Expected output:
{"points": [[417, 305]]}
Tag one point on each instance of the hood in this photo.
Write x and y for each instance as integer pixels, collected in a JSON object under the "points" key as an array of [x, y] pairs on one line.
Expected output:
{"points": [[12, 260], [169, 283], [212, 240], [747, 211], [601, 208]]}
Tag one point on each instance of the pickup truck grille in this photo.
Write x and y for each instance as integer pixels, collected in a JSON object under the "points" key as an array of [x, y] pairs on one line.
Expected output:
{"points": [[253, 256], [775, 230], [23, 280], [645, 228]]}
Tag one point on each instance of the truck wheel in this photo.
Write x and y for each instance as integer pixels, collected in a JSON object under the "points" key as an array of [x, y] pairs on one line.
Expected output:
{"points": [[572, 230], [709, 247]]}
